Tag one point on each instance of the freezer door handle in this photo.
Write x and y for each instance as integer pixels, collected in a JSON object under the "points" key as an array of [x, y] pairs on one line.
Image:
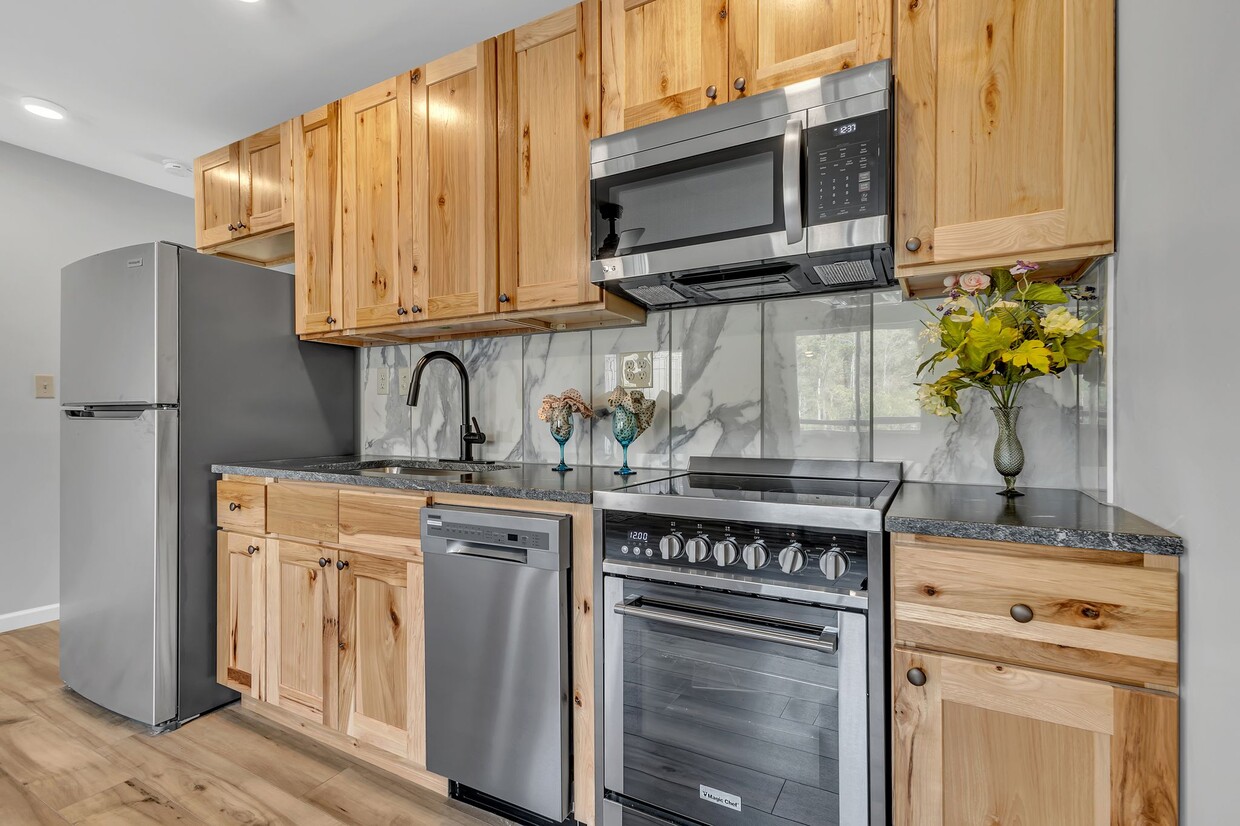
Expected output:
{"points": [[124, 415]]}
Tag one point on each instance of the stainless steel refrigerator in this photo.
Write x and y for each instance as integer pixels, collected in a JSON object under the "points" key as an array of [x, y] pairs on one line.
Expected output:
{"points": [[171, 360]]}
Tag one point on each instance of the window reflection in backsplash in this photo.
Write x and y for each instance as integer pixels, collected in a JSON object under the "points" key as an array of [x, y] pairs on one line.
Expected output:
{"points": [[821, 377]]}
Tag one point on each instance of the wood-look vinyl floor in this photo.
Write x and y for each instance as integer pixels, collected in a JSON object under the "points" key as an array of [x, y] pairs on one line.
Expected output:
{"points": [[64, 760]]}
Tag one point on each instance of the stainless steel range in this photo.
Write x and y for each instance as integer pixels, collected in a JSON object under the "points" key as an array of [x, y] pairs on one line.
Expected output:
{"points": [[744, 636]]}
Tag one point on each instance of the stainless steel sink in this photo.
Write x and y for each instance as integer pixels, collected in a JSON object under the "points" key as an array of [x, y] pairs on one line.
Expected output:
{"points": [[434, 472], [426, 468]]}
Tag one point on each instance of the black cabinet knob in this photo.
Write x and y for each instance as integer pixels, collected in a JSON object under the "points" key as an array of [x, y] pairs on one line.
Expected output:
{"points": [[233, 506], [916, 676], [503, 298], [913, 244], [324, 562], [712, 92], [331, 319], [739, 84], [401, 311], [240, 225], [251, 550], [341, 565], [1021, 612], [415, 309], [232, 228]]}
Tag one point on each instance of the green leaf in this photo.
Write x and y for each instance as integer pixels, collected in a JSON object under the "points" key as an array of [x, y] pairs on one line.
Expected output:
{"points": [[1032, 354], [1078, 347], [1003, 280], [1042, 293]]}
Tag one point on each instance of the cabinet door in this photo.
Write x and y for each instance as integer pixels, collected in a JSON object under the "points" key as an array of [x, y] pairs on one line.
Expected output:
{"points": [[382, 672], [316, 214], [777, 42], [454, 183], [549, 102], [241, 612], [1005, 131], [377, 239], [986, 743], [217, 196], [267, 180], [662, 58], [301, 630]]}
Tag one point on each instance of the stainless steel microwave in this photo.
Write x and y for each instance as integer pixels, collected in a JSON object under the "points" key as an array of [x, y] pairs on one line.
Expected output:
{"points": [[780, 194]]}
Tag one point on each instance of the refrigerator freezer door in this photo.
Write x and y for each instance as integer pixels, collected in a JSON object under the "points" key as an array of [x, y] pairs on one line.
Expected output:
{"points": [[118, 559], [118, 339]]}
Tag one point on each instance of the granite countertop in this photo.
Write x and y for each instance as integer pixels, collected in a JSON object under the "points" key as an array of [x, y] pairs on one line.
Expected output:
{"points": [[516, 480], [1044, 516]]}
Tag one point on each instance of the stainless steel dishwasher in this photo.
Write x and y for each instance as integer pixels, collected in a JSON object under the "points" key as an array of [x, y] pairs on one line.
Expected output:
{"points": [[497, 662]]}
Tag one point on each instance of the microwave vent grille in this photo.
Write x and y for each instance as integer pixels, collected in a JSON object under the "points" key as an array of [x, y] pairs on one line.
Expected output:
{"points": [[652, 295], [846, 272]]}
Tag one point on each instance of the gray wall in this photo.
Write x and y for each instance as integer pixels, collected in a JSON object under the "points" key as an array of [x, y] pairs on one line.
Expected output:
{"points": [[1177, 453], [54, 212]]}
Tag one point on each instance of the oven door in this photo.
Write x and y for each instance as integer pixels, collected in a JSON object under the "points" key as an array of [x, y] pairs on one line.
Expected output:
{"points": [[723, 198], [732, 710]]}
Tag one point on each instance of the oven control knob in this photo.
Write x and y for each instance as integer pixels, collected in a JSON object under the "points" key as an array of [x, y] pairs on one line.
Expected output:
{"points": [[698, 549], [792, 559], [726, 553], [755, 555], [672, 546], [834, 563]]}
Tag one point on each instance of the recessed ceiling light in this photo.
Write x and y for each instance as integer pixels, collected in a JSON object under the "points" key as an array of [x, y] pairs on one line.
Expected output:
{"points": [[44, 108]]}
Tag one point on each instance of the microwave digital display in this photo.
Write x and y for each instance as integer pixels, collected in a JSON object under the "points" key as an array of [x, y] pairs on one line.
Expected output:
{"points": [[844, 129], [847, 169]]}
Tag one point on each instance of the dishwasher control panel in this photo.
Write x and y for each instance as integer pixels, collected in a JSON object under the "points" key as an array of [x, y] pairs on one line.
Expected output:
{"points": [[440, 523]]}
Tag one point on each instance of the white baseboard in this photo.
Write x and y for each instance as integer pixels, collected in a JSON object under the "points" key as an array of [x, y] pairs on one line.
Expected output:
{"points": [[30, 616]]}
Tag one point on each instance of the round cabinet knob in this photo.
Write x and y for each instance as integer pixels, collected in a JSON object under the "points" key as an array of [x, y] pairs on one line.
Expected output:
{"points": [[672, 546], [916, 676], [232, 228], [739, 84], [240, 225], [755, 555], [331, 319], [698, 549], [792, 559], [233, 506], [726, 553], [1021, 612], [341, 565], [503, 298], [712, 92], [834, 564], [401, 311], [913, 244], [251, 550], [324, 562], [415, 309]]}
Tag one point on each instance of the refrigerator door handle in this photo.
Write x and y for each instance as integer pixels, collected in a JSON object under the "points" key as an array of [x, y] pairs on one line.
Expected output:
{"points": [[105, 414]]}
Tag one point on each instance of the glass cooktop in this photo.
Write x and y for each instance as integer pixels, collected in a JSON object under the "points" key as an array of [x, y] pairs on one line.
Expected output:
{"points": [[794, 490]]}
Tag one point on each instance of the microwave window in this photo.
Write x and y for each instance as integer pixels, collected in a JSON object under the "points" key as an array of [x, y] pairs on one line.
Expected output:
{"points": [[690, 201]]}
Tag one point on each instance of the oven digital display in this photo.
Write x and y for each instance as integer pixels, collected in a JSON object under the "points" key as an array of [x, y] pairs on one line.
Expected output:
{"points": [[639, 536]]}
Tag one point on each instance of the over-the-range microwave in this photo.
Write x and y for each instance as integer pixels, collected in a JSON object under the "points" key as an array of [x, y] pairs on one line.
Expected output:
{"points": [[784, 193]]}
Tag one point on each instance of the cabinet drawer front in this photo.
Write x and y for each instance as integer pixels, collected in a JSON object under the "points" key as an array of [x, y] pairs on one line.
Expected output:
{"points": [[381, 521], [303, 511], [241, 506], [1099, 614]]}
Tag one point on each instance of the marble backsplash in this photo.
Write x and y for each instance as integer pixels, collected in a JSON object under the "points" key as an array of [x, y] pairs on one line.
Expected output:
{"points": [[823, 377]]}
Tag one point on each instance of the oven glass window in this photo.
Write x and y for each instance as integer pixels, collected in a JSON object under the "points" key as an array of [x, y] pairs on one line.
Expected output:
{"points": [[729, 730], [731, 193]]}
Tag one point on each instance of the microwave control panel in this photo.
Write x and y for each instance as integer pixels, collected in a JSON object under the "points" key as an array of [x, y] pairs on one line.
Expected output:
{"points": [[848, 168]]}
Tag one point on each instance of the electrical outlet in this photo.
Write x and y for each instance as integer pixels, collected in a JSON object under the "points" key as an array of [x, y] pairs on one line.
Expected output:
{"points": [[406, 376], [381, 381], [637, 370], [44, 387]]}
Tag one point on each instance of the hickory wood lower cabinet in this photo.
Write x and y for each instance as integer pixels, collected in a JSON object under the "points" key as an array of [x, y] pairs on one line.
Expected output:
{"points": [[1033, 685], [320, 623]]}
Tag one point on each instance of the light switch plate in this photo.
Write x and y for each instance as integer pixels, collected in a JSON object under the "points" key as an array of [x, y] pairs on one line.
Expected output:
{"points": [[382, 378], [44, 387], [637, 370], [406, 376]]}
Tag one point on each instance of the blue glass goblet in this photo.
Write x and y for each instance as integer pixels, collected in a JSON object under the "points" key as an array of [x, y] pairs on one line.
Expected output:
{"points": [[624, 428], [562, 430]]}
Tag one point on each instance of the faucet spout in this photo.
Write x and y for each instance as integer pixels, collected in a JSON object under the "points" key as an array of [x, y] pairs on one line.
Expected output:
{"points": [[471, 434]]}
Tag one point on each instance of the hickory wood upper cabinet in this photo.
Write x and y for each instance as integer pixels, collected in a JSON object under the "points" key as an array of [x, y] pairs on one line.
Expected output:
{"points": [[377, 250], [316, 214], [453, 176], [662, 58], [979, 742], [1005, 135], [549, 94], [243, 197]]}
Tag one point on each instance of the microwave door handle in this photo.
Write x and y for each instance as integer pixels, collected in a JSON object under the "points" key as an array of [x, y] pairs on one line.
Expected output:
{"points": [[827, 642], [792, 181]]}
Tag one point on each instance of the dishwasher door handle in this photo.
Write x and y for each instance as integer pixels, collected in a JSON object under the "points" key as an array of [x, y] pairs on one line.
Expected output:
{"points": [[520, 557], [827, 642]]}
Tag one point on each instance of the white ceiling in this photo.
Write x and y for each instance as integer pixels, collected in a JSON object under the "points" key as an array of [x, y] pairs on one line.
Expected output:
{"points": [[145, 80]]}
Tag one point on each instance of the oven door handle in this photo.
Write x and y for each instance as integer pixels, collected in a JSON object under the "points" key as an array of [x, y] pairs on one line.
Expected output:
{"points": [[827, 642], [792, 181]]}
